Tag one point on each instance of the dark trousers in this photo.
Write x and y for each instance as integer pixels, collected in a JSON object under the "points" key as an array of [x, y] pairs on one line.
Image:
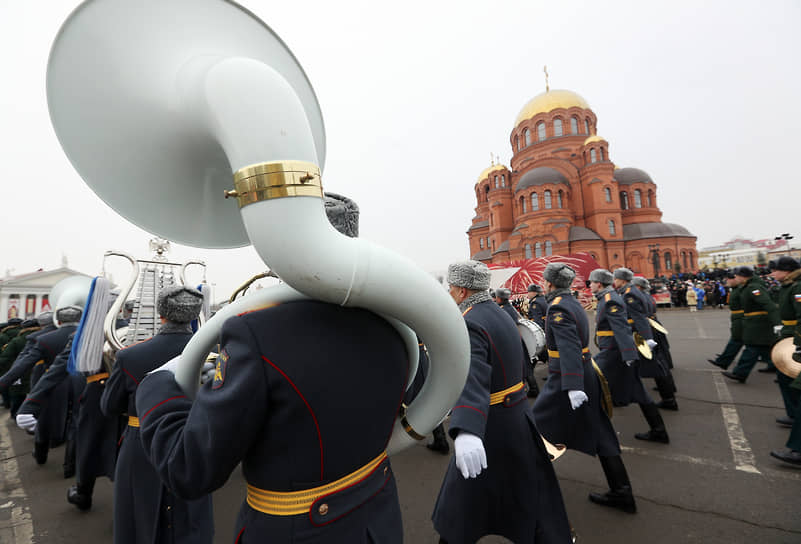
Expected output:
{"points": [[794, 442], [731, 350], [790, 396], [749, 358]]}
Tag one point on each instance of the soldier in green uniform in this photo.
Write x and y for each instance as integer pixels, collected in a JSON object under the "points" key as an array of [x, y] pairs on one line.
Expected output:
{"points": [[788, 271], [735, 343], [17, 391], [760, 314]]}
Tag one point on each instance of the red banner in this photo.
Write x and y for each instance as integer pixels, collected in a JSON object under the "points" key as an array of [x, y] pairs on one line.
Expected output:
{"points": [[531, 272]]}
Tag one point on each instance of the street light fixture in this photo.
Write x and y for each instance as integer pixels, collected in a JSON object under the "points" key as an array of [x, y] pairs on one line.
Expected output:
{"points": [[654, 249], [786, 237]]}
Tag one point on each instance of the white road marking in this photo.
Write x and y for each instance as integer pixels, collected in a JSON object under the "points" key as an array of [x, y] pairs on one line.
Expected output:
{"points": [[741, 450], [701, 331], [18, 528]]}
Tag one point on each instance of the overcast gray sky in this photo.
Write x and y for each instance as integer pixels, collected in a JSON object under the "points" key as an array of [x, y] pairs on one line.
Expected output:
{"points": [[704, 96]]}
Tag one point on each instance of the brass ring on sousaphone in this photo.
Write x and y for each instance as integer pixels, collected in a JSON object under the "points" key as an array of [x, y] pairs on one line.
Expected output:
{"points": [[782, 357], [160, 124]]}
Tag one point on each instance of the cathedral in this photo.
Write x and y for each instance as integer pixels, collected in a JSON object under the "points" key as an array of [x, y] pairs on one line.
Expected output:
{"points": [[562, 195]]}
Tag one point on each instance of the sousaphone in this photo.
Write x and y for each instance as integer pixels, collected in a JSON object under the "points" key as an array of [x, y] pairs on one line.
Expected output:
{"points": [[164, 106]]}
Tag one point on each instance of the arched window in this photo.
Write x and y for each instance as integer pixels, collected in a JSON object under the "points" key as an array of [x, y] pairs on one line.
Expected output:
{"points": [[528, 251], [491, 217], [612, 227], [603, 156], [517, 143], [548, 247], [593, 156], [624, 200], [684, 260], [493, 245], [557, 127], [488, 244], [668, 262], [637, 198], [486, 193], [586, 126], [522, 204], [608, 194], [540, 131], [527, 135], [547, 197], [651, 205], [481, 243], [573, 125], [503, 180], [535, 202], [496, 182], [538, 250], [559, 201]]}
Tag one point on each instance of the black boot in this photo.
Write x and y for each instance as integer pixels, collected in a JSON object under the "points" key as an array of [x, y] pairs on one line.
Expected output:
{"points": [[69, 459], [81, 495], [657, 433], [533, 388], [440, 443], [666, 388], [40, 450], [619, 495]]}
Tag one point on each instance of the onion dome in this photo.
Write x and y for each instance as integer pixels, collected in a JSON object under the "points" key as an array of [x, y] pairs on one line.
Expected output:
{"points": [[627, 176], [487, 171], [595, 138], [549, 101], [540, 176]]}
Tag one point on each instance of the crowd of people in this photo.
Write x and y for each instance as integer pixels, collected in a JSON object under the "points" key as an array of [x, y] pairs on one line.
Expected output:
{"points": [[166, 453]]}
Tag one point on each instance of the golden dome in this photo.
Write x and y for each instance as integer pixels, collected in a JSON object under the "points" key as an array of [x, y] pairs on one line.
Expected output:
{"points": [[548, 101], [595, 138], [486, 171]]}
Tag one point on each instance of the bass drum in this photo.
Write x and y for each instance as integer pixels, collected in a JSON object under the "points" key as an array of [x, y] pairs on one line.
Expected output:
{"points": [[533, 336]]}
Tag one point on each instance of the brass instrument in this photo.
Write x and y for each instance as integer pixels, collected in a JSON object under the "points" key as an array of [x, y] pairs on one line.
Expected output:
{"points": [[782, 357]]}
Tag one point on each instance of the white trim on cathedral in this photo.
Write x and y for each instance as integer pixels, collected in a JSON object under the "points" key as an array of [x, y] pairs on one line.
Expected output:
{"points": [[17, 291]]}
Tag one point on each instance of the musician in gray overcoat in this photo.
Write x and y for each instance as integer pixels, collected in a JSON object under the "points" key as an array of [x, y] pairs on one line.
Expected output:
{"points": [[500, 480], [572, 408], [618, 357], [145, 509]]}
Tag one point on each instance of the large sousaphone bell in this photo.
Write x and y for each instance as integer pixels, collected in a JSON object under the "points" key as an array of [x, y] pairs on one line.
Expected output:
{"points": [[162, 106]]}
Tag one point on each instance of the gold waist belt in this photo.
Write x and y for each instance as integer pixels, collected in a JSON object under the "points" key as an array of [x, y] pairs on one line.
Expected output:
{"points": [[738, 311], [292, 503], [604, 333], [552, 353], [749, 314], [630, 320], [790, 322], [39, 362], [96, 377], [133, 421], [497, 398]]}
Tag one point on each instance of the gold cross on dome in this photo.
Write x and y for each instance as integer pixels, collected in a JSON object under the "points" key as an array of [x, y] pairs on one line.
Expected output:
{"points": [[545, 69]]}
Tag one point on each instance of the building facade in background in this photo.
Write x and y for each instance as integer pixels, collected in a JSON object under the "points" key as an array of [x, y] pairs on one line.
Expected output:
{"points": [[741, 251], [562, 194], [27, 295]]}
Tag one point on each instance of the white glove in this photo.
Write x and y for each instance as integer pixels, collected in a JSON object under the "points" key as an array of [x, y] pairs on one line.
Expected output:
{"points": [[170, 366], [470, 454], [577, 398], [207, 374], [777, 329], [26, 422], [629, 363], [651, 343]]}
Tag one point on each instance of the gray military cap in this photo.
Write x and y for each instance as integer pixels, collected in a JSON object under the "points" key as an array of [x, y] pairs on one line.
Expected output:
{"points": [[69, 314], [343, 214], [179, 304], [469, 274], [45, 318], [623, 274], [559, 274], [602, 276], [503, 293], [641, 282]]}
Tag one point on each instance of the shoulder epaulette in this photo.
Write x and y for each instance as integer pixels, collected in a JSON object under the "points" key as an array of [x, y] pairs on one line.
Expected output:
{"points": [[608, 297], [628, 290], [556, 300]]}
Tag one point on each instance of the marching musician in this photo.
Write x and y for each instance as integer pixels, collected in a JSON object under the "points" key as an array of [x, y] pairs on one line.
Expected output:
{"points": [[502, 296], [663, 376], [500, 480], [52, 414], [145, 509], [570, 410], [537, 305], [618, 355], [305, 395], [16, 393], [787, 271]]}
